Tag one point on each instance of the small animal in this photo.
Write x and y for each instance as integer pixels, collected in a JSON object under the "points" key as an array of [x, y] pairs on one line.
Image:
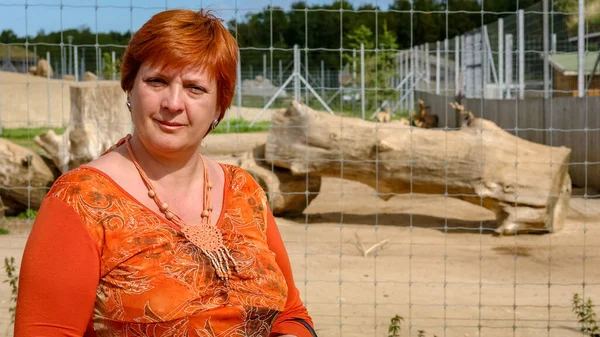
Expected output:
{"points": [[384, 116], [467, 115], [422, 119]]}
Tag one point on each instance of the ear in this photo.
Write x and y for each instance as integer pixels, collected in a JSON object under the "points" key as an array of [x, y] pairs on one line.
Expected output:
{"points": [[218, 115]]}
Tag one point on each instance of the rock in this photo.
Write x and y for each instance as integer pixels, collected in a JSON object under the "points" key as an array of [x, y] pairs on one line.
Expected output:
{"points": [[89, 76], [42, 69], [25, 174]]}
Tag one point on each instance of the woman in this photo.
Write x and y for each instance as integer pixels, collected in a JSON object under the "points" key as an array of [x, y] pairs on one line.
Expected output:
{"points": [[152, 238]]}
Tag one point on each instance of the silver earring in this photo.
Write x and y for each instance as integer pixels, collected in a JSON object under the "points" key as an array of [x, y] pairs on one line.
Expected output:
{"points": [[128, 105], [214, 124]]}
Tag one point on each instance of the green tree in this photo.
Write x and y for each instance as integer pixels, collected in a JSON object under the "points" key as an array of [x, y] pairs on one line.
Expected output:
{"points": [[8, 36], [110, 66], [379, 64]]}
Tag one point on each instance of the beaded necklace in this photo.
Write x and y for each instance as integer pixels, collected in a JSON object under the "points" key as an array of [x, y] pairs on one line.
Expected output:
{"points": [[207, 237]]}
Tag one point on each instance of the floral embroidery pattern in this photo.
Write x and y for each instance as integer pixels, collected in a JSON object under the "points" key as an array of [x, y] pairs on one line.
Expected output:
{"points": [[156, 283]]}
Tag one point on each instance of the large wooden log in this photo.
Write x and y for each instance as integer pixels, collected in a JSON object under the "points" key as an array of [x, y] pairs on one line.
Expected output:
{"points": [[525, 184], [99, 118], [287, 193], [24, 176]]}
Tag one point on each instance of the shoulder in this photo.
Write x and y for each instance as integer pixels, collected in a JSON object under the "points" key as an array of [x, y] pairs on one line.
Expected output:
{"points": [[80, 175], [82, 183], [241, 180]]}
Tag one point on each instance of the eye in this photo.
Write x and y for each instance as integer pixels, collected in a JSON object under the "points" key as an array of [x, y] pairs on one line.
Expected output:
{"points": [[155, 81], [197, 89]]}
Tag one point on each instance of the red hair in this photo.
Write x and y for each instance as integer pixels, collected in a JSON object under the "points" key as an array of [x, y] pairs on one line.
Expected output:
{"points": [[178, 39]]}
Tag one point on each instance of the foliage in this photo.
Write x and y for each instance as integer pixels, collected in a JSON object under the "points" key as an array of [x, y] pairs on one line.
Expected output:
{"points": [[412, 22], [27, 133], [242, 126], [24, 136], [586, 316], [395, 328], [379, 66], [570, 8], [323, 25], [28, 214], [3, 231], [13, 281], [110, 67], [81, 36]]}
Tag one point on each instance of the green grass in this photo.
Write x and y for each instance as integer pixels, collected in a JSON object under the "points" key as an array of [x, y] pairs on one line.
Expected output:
{"points": [[16, 52], [28, 214], [24, 136], [3, 231], [25, 133], [242, 126]]}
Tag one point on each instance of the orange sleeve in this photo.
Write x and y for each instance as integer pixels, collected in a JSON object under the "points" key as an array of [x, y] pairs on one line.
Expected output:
{"points": [[289, 322], [59, 275]]}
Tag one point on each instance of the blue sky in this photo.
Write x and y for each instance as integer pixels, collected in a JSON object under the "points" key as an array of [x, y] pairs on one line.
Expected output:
{"points": [[117, 14]]}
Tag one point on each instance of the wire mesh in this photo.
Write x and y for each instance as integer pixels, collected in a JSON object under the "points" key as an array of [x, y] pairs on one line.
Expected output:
{"points": [[439, 265]]}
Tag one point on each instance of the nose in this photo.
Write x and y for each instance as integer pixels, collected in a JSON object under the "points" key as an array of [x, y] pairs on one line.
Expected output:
{"points": [[172, 101]]}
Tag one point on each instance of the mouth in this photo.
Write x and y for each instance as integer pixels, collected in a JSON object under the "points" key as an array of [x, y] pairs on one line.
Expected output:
{"points": [[169, 126], [172, 124]]}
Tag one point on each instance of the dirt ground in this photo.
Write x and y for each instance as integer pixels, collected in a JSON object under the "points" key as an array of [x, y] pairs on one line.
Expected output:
{"points": [[442, 270]]}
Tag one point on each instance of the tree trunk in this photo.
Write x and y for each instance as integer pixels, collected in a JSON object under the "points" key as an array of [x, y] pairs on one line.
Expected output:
{"points": [[99, 118], [25, 177], [286, 192], [526, 184]]}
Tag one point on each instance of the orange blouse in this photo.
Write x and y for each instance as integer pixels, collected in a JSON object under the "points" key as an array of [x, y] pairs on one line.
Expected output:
{"points": [[100, 263]]}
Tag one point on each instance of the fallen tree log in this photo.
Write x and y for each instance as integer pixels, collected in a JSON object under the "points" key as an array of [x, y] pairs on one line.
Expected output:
{"points": [[525, 184], [287, 193], [24, 176], [99, 118]]}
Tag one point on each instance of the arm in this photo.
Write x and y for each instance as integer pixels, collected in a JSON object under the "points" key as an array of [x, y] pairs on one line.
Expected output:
{"points": [[59, 275], [288, 322]]}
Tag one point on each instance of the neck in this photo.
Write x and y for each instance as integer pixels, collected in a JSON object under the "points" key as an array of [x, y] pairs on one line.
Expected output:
{"points": [[180, 169]]}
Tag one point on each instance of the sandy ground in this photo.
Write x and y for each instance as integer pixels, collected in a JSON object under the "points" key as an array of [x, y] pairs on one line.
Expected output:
{"points": [[437, 269], [442, 269]]}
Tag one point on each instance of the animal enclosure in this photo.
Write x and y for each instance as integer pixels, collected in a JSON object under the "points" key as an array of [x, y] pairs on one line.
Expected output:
{"points": [[386, 199]]}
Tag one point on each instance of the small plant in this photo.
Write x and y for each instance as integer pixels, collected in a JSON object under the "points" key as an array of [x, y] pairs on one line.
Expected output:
{"points": [[421, 333], [586, 316], [3, 231], [28, 214], [110, 67], [13, 281], [395, 328]]}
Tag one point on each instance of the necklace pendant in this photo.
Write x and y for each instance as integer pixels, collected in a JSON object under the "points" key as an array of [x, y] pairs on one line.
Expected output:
{"points": [[204, 236], [209, 240]]}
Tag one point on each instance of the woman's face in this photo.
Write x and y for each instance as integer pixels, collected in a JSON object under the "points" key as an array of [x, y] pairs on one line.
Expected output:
{"points": [[172, 110]]}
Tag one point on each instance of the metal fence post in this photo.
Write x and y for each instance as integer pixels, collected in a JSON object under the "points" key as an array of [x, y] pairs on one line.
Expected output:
{"points": [[362, 80]]}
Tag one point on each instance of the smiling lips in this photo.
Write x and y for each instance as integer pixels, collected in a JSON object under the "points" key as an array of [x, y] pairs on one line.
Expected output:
{"points": [[169, 126], [172, 124]]}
